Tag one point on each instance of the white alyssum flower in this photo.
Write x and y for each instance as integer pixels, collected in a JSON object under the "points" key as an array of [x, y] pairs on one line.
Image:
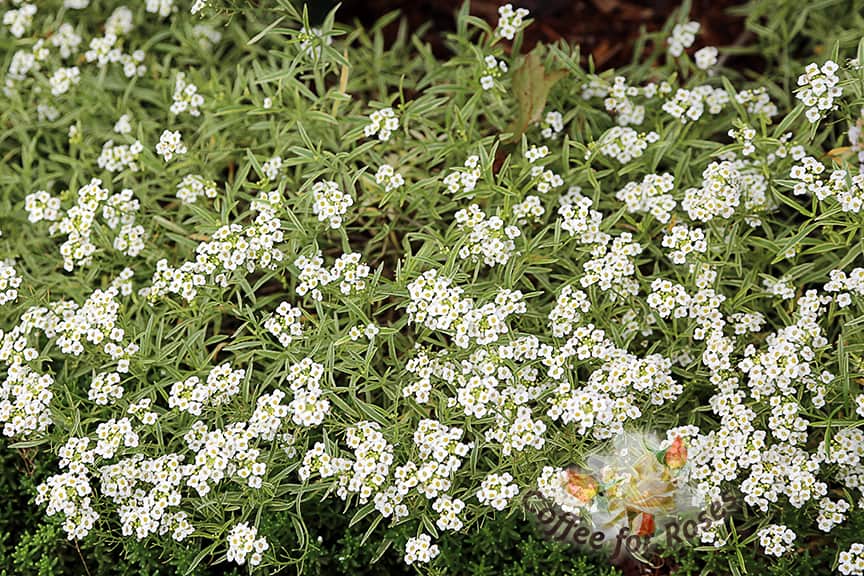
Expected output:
{"points": [[776, 539], [388, 177], [652, 195], [852, 560], [161, 7], [719, 196], [706, 57], [120, 157], [420, 550], [272, 167], [194, 186], [464, 180], [683, 36], [497, 490], [492, 70], [624, 144], [510, 21], [244, 544], [284, 323], [382, 123], [20, 20], [170, 144], [186, 97], [486, 237], [63, 79], [123, 124], [684, 241], [330, 203], [818, 88]]}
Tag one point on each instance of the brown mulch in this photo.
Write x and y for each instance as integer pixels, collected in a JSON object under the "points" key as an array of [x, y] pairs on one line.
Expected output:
{"points": [[606, 29]]}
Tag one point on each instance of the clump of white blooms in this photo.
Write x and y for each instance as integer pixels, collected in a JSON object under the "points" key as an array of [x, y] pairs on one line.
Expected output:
{"points": [[243, 545], [683, 36], [331, 203], [719, 195], [497, 490], [194, 186], [818, 87], [464, 180], [493, 69], [652, 195], [186, 97], [486, 237], [776, 539], [706, 57], [420, 549], [170, 145], [683, 242], [120, 157], [192, 396], [284, 324], [624, 144], [852, 560], [382, 123], [19, 21], [388, 177], [510, 21]]}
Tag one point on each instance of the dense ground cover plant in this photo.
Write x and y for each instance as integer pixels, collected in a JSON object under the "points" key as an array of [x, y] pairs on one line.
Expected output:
{"points": [[252, 264]]}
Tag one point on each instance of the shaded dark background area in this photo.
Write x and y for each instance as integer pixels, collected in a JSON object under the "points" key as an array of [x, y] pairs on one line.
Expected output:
{"points": [[606, 29]]}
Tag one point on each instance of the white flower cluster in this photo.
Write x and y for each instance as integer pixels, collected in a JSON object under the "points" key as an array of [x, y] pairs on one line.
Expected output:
{"points": [[567, 314], [497, 490], [331, 204], [683, 36], [437, 306], [42, 206], [757, 102], [186, 97], [232, 248], [161, 7], [464, 179], [243, 544], [309, 407], [492, 70], [106, 49], [63, 79], [388, 177], [852, 560], [120, 157], [171, 144], [578, 219], [776, 539], [272, 167], [420, 549], [612, 266], [486, 238], [348, 269], [818, 87], [831, 513], [706, 57], [382, 123], [845, 189], [105, 388], [510, 21], [284, 323], [624, 144], [684, 241], [719, 195], [528, 209], [689, 105], [10, 282], [70, 494], [552, 125], [845, 286], [652, 195], [193, 187], [20, 20], [192, 396]]}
